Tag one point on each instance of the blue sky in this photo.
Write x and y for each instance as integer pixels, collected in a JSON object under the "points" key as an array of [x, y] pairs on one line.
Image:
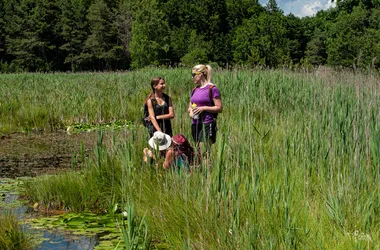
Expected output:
{"points": [[302, 8]]}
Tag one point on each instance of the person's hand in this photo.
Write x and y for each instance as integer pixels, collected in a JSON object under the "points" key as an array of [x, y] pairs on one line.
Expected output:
{"points": [[198, 110]]}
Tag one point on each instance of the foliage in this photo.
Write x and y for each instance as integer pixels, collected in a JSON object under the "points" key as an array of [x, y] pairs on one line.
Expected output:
{"points": [[98, 35], [135, 232], [261, 41], [30, 34], [87, 224], [73, 27], [294, 169], [57, 102], [12, 237], [150, 35], [102, 48], [82, 127], [316, 48], [197, 50]]}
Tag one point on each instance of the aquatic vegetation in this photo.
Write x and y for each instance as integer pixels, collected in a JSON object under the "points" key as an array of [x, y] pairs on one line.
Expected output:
{"points": [[295, 164], [12, 236], [10, 190], [87, 224], [82, 127]]}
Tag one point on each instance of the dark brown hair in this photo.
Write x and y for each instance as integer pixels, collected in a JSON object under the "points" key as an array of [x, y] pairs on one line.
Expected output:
{"points": [[153, 83]]}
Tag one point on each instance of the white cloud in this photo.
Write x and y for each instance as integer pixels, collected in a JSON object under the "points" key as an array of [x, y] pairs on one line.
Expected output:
{"points": [[311, 8], [303, 8]]}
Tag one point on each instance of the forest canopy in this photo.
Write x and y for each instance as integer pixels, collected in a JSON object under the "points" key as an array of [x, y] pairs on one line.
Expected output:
{"points": [[98, 35]]}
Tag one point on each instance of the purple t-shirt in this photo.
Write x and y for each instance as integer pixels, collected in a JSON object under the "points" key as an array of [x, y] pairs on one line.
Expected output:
{"points": [[201, 97]]}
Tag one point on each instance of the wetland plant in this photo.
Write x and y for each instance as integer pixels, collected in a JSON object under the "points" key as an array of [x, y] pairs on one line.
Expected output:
{"points": [[12, 235], [295, 165]]}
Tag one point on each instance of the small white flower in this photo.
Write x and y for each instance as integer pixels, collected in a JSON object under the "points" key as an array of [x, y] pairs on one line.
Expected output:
{"points": [[124, 213]]}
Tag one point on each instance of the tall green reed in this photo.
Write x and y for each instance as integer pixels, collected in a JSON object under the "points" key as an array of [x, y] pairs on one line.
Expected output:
{"points": [[295, 164], [12, 235]]}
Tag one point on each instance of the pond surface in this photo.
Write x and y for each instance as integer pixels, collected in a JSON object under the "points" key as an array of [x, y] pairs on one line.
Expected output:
{"points": [[66, 241], [54, 239], [38, 154]]}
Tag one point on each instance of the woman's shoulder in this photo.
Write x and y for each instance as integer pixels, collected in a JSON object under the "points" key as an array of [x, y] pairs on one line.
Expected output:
{"points": [[166, 95], [213, 86], [167, 98]]}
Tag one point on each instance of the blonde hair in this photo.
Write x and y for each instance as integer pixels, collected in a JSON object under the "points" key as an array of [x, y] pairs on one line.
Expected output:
{"points": [[205, 70]]}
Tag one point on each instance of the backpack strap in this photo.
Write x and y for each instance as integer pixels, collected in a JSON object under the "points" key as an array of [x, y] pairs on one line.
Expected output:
{"points": [[210, 93], [193, 90]]}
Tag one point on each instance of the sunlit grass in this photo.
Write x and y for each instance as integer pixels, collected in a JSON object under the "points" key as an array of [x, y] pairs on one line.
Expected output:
{"points": [[295, 164], [12, 236]]}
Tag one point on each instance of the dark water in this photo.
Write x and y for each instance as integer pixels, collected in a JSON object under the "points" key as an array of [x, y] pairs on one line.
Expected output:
{"points": [[55, 239]]}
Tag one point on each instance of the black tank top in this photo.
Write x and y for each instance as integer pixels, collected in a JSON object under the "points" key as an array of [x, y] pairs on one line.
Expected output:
{"points": [[163, 109]]}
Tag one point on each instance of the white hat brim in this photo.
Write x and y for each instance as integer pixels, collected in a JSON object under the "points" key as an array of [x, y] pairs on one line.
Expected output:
{"points": [[162, 147]]}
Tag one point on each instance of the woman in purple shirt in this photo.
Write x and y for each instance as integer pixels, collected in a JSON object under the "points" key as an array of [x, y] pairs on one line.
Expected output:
{"points": [[205, 104]]}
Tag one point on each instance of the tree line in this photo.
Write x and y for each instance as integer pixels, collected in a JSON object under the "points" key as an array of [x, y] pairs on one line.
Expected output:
{"points": [[83, 35]]}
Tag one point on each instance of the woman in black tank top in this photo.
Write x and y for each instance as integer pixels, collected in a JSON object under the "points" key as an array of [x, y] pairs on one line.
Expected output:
{"points": [[160, 107]]}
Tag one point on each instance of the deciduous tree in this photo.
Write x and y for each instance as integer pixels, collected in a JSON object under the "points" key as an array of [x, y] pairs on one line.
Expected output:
{"points": [[150, 35]]}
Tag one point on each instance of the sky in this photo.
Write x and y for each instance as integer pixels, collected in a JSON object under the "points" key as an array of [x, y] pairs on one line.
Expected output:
{"points": [[302, 8]]}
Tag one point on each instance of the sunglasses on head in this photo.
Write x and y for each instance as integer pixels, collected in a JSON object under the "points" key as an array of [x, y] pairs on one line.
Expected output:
{"points": [[196, 73]]}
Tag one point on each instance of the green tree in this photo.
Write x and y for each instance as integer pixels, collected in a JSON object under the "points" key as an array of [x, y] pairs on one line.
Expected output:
{"points": [[209, 19], [372, 39], [346, 38], [272, 6], [316, 48], [124, 30], [240, 10], [197, 50], [262, 40], [247, 43], [181, 18], [179, 42], [102, 49], [73, 29], [212, 24], [274, 39], [150, 35], [295, 33], [2, 33], [348, 6], [32, 39]]}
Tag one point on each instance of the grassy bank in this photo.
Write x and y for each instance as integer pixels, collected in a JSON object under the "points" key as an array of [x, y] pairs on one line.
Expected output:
{"points": [[295, 164]]}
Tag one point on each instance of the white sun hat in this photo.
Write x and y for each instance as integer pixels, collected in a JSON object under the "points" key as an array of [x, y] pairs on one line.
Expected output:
{"points": [[160, 140]]}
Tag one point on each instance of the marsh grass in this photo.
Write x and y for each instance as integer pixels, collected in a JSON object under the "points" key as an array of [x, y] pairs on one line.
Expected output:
{"points": [[295, 165], [12, 236]]}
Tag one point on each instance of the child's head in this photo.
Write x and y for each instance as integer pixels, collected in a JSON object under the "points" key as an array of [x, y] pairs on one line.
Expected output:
{"points": [[160, 141]]}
